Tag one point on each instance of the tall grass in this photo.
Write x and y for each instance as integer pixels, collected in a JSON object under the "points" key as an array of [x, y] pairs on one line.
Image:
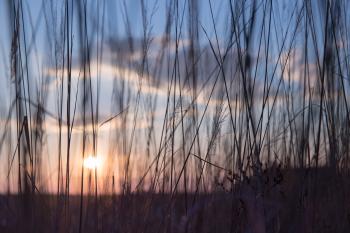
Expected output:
{"points": [[209, 116]]}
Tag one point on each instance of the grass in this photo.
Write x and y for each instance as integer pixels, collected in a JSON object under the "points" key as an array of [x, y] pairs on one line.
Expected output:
{"points": [[209, 116]]}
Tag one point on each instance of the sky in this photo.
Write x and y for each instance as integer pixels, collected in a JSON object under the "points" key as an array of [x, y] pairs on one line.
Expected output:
{"points": [[41, 22], [122, 83]]}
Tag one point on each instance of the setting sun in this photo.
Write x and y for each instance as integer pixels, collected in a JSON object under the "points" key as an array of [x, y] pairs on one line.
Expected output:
{"points": [[92, 162]]}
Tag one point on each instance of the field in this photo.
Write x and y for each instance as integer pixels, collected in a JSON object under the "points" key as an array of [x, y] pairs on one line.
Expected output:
{"points": [[174, 116], [298, 202]]}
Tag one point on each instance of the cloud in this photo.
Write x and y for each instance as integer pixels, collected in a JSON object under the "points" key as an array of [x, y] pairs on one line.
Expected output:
{"points": [[123, 63]]}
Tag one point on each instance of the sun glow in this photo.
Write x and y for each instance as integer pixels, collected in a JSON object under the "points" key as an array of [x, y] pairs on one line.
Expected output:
{"points": [[92, 162]]}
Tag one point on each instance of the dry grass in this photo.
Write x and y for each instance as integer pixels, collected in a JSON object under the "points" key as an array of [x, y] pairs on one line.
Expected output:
{"points": [[213, 116]]}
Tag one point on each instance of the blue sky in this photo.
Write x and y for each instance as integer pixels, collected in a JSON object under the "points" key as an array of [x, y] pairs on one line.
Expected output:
{"points": [[119, 65]]}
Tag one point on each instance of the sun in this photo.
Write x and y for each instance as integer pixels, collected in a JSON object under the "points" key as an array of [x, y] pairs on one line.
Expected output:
{"points": [[92, 162]]}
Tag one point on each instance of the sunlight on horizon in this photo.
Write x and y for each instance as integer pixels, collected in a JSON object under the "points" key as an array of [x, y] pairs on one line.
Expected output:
{"points": [[92, 162]]}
